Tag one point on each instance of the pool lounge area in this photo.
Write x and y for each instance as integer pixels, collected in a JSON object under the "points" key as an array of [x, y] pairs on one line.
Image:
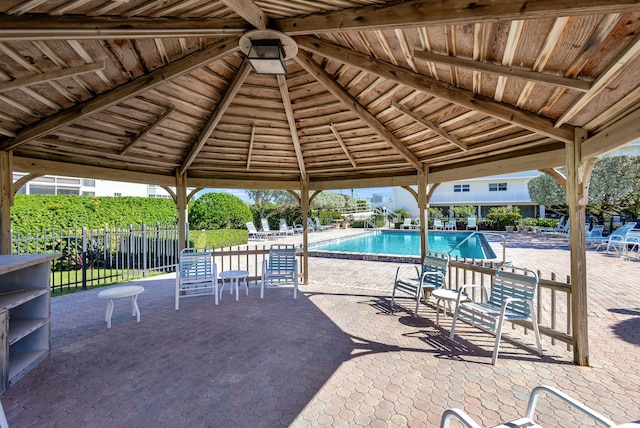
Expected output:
{"points": [[333, 357]]}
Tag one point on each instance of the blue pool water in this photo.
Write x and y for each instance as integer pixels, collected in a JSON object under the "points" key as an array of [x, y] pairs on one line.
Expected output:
{"points": [[407, 243]]}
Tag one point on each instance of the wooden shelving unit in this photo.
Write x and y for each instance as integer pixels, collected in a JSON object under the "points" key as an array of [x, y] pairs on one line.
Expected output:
{"points": [[25, 307]]}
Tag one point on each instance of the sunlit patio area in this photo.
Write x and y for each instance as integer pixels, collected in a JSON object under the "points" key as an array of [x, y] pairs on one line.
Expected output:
{"points": [[333, 357]]}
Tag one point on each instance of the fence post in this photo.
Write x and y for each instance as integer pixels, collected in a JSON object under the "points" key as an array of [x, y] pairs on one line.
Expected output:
{"points": [[145, 250], [84, 258]]}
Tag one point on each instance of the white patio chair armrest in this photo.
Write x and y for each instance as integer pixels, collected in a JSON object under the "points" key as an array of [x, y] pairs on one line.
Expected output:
{"points": [[462, 288], [508, 300], [461, 415], [406, 266]]}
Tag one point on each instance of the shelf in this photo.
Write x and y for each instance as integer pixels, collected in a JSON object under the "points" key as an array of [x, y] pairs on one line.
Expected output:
{"points": [[21, 362], [21, 328], [12, 299]]}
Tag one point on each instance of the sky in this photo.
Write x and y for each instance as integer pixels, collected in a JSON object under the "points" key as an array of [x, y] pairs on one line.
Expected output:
{"points": [[357, 193]]}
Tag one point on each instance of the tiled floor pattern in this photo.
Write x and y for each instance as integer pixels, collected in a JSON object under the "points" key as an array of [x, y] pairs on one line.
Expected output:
{"points": [[333, 357]]}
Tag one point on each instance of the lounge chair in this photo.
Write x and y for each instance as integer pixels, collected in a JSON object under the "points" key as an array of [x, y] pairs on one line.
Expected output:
{"points": [[406, 224], [430, 277], [529, 419], [266, 228], [437, 224], [280, 268], [472, 223], [255, 233], [197, 275], [554, 229], [450, 225], [512, 298], [595, 232], [320, 226], [285, 229], [617, 235], [623, 244]]}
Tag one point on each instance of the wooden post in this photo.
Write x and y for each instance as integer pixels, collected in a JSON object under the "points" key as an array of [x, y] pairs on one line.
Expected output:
{"points": [[181, 204], [577, 194], [6, 200], [304, 205], [423, 183]]}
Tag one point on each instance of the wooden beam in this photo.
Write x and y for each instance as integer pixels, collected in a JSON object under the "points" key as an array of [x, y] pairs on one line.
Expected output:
{"points": [[604, 80], [432, 126], [350, 102], [48, 167], [546, 78], [291, 120], [6, 200], [181, 205], [342, 144], [121, 93], [146, 132], [17, 185], [250, 12], [422, 13], [253, 135], [621, 133], [46, 27], [577, 213], [214, 119], [21, 82], [556, 175], [448, 92]]}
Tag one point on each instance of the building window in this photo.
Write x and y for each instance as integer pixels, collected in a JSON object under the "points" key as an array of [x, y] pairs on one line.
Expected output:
{"points": [[68, 190], [42, 190], [88, 182], [88, 193], [117, 194], [497, 187], [457, 188]]}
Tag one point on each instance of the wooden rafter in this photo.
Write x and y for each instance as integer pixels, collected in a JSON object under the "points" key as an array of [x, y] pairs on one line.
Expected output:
{"points": [[250, 12], [214, 119], [350, 102], [546, 78], [418, 13], [629, 54], [17, 185], [613, 137], [560, 178], [46, 27], [461, 97], [342, 144], [432, 126], [291, 120], [146, 131], [121, 93], [51, 75], [253, 136]]}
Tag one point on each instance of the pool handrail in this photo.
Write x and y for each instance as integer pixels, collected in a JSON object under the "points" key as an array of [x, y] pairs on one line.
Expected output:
{"points": [[504, 246]]}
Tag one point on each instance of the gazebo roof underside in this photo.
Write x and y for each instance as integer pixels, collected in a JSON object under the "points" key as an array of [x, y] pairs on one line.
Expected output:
{"points": [[142, 90]]}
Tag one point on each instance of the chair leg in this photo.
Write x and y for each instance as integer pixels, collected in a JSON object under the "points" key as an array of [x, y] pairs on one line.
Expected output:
{"points": [[496, 349], [453, 323], [419, 295], [262, 287], [393, 297], [536, 330], [295, 286]]}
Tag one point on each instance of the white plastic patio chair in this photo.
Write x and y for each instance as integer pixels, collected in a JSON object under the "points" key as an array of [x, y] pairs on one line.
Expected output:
{"points": [[618, 234], [267, 229], [285, 229], [450, 225], [512, 298], [255, 233], [280, 268], [472, 223], [528, 421], [406, 224], [437, 224], [197, 275], [431, 276]]}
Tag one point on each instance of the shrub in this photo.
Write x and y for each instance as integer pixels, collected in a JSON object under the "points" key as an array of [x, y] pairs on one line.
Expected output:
{"points": [[218, 211], [503, 216], [220, 238], [465, 212]]}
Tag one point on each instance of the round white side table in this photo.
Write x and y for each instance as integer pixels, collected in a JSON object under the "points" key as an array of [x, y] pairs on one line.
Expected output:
{"points": [[119, 293]]}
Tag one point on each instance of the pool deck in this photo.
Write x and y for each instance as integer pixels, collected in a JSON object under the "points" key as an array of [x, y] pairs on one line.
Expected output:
{"points": [[333, 357]]}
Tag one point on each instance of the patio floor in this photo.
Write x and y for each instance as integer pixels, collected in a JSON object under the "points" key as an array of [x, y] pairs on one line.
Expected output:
{"points": [[333, 357]]}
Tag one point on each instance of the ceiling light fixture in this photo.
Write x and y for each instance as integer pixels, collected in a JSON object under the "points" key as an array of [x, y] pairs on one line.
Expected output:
{"points": [[267, 50]]}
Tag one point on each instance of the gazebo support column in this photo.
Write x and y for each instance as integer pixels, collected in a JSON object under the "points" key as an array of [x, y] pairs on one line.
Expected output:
{"points": [[577, 195], [6, 200], [181, 204], [304, 205], [423, 207]]}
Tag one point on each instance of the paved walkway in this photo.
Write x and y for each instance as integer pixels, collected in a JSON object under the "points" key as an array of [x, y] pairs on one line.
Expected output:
{"points": [[333, 357]]}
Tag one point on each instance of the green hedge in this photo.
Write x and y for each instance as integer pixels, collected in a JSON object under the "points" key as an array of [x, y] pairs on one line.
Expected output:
{"points": [[34, 213], [220, 238]]}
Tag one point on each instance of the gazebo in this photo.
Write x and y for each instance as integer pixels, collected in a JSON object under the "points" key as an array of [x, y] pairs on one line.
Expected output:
{"points": [[305, 96]]}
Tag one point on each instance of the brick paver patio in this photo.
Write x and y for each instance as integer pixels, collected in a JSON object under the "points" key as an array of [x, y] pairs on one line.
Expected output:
{"points": [[333, 357]]}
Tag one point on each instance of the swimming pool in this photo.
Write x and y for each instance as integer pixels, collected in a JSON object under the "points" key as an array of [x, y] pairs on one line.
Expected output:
{"points": [[407, 243]]}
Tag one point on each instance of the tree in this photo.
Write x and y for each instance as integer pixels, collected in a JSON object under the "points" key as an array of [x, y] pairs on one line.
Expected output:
{"points": [[615, 186], [545, 190], [218, 211], [330, 201], [465, 211], [265, 199]]}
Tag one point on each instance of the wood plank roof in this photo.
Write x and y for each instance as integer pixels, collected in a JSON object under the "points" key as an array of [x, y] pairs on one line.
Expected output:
{"points": [[143, 89]]}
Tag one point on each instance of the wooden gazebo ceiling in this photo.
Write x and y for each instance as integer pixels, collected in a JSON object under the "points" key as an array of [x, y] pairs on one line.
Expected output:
{"points": [[141, 90]]}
